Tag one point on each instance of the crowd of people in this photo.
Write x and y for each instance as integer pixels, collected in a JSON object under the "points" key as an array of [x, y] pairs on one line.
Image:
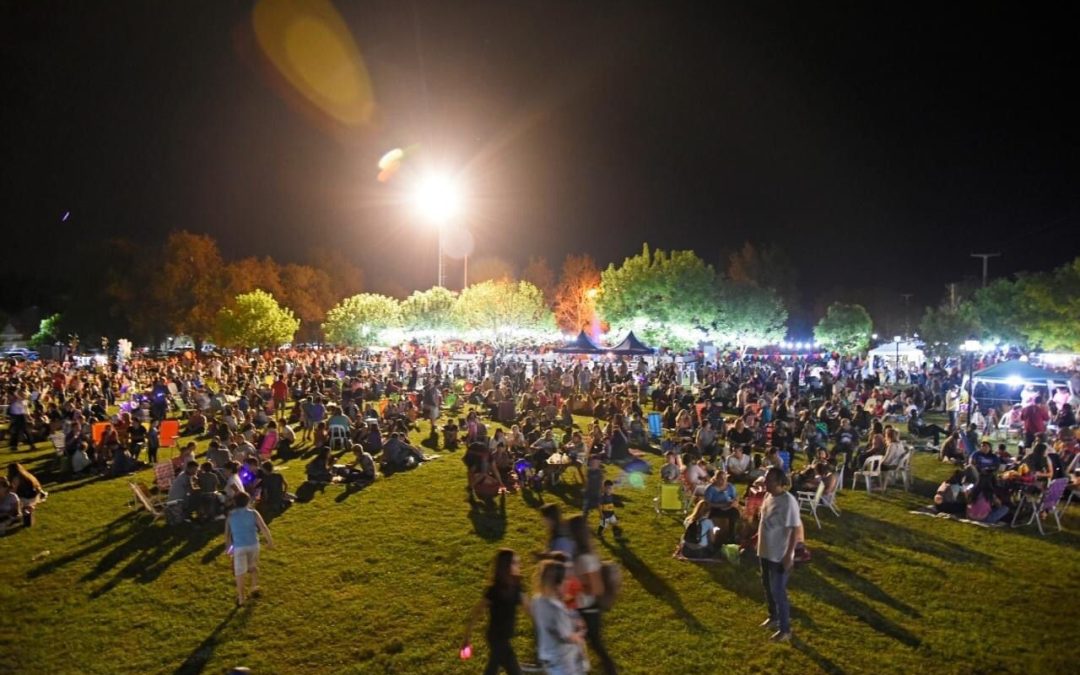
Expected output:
{"points": [[738, 436]]}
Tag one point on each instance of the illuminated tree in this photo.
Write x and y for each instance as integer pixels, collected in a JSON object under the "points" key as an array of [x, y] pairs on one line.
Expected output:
{"points": [[748, 315], [48, 331], [256, 319], [430, 310], [1051, 307], [765, 267], [496, 307], [356, 321], [950, 326], [666, 298], [577, 293], [845, 328]]}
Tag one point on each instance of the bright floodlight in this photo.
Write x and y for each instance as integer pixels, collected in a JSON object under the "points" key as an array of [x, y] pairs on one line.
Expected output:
{"points": [[438, 198], [971, 346]]}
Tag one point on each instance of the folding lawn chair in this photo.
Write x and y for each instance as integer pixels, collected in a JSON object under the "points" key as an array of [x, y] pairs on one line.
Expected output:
{"points": [[1049, 503], [155, 507], [670, 499], [811, 501]]}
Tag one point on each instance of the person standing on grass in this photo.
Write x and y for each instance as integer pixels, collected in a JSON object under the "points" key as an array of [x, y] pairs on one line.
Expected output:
{"points": [[777, 536], [501, 598], [242, 530], [585, 569]]}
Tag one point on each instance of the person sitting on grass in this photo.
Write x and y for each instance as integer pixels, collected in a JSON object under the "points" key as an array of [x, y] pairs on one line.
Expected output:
{"points": [[180, 495], [242, 538], [721, 496], [983, 506], [699, 533], [275, 490], [320, 468], [738, 465], [398, 455], [10, 507], [233, 484], [950, 496], [952, 449], [208, 496], [363, 469]]}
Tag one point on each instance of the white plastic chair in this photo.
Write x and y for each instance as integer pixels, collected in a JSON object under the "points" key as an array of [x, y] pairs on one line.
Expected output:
{"points": [[339, 434], [903, 469], [811, 501], [871, 469]]}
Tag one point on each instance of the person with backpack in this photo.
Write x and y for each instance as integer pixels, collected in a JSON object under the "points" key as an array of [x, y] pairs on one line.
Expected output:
{"points": [[585, 567], [501, 598], [699, 533], [778, 534]]}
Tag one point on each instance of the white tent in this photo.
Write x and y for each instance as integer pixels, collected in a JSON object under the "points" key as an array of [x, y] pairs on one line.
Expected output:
{"points": [[907, 353]]}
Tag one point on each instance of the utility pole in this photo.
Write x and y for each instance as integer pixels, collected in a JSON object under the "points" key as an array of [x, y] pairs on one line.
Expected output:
{"points": [[986, 262]]}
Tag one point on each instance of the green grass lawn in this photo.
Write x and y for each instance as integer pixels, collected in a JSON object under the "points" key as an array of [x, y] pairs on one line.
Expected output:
{"points": [[381, 579]]}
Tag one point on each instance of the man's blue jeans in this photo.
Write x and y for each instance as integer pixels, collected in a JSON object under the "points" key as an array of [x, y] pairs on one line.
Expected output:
{"points": [[774, 578]]}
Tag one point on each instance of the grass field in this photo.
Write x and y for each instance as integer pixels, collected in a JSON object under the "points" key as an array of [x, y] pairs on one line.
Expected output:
{"points": [[381, 579]]}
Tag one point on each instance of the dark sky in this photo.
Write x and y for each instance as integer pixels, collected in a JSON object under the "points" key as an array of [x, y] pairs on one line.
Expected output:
{"points": [[878, 145]]}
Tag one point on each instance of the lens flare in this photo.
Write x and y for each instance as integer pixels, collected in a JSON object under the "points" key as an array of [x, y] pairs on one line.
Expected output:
{"points": [[312, 49]]}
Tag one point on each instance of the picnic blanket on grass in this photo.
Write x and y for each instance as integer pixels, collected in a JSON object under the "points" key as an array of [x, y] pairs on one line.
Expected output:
{"points": [[928, 511]]}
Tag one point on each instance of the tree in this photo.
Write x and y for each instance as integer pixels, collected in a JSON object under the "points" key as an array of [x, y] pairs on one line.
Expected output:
{"points": [[48, 331], [748, 315], [946, 325], [430, 310], [845, 328], [309, 292], [247, 274], [538, 273], [256, 319], [576, 294], [496, 307], [1001, 308], [1051, 305], [667, 298], [357, 320], [190, 284]]}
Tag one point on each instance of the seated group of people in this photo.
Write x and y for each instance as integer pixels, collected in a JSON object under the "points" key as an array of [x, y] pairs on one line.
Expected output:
{"points": [[207, 492]]}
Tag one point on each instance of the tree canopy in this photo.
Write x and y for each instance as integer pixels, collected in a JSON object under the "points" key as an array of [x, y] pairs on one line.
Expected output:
{"points": [[748, 315], [577, 293], [666, 298], [357, 320], [256, 319], [845, 328], [430, 310], [496, 306]]}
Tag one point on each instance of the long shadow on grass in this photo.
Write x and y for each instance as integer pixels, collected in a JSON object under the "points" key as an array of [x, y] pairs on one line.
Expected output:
{"points": [[655, 586], [819, 586], [488, 518], [149, 552], [844, 575], [815, 656], [115, 532], [860, 531], [200, 656]]}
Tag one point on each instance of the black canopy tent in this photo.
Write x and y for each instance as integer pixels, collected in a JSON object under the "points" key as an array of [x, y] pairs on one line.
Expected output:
{"points": [[631, 346], [580, 345]]}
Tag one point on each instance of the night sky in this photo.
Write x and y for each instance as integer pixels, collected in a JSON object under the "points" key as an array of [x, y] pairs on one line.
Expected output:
{"points": [[878, 146]]}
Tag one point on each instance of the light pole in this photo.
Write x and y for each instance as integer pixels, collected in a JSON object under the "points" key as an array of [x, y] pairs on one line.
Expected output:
{"points": [[438, 198], [896, 370], [971, 347]]}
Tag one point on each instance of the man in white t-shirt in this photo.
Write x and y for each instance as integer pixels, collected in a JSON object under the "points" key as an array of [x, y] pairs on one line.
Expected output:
{"points": [[777, 534]]}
